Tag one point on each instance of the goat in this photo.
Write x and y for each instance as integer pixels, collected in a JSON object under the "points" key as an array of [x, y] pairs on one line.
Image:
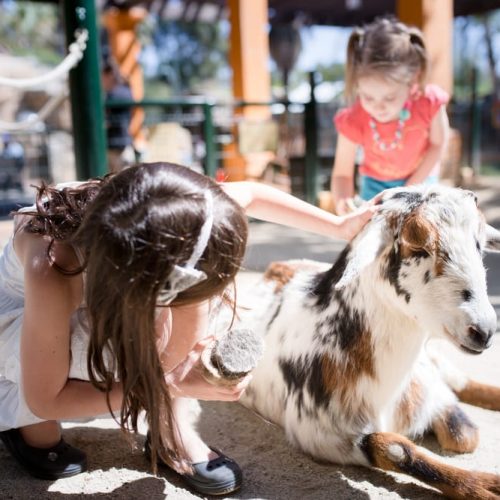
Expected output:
{"points": [[346, 371]]}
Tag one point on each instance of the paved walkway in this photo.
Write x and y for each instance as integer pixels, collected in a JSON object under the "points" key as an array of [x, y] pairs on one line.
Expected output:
{"points": [[273, 470]]}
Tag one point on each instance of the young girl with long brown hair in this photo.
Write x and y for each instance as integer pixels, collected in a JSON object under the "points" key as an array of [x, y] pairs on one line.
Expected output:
{"points": [[104, 304]]}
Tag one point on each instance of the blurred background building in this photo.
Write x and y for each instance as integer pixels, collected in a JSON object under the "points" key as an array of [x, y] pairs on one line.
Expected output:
{"points": [[236, 88]]}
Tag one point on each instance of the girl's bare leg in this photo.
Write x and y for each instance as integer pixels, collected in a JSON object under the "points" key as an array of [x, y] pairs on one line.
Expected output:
{"points": [[192, 321], [197, 450], [43, 435]]}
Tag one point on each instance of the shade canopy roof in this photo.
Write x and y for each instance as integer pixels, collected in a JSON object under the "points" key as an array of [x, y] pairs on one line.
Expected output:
{"points": [[312, 12], [355, 12]]}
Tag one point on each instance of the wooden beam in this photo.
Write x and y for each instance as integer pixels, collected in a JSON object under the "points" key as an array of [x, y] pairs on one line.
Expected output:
{"points": [[435, 19], [249, 49], [125, 47], [249, 59]]}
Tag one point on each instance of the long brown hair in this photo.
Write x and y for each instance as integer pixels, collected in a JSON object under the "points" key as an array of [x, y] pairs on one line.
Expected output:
{"points": [[387, 48], [133, 228]]}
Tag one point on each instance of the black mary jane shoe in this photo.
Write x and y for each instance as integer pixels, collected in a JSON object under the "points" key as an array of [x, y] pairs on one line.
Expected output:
{"points": [[219, 476], [56, 462]]}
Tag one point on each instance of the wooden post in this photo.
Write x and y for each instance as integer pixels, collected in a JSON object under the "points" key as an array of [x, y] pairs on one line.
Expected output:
{"points": [[249, 58], [435, 19], [125, 47]]}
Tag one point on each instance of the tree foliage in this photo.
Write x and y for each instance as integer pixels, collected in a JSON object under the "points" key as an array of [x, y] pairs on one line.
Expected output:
{"points": [[477, 39], [31, 29], [187, 52]]}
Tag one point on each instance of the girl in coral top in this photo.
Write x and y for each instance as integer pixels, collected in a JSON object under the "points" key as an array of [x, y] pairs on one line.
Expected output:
{"points": [[401, 124]]}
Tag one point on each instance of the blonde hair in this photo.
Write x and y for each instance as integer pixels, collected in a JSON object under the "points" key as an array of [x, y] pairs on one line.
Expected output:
{"points": [[387, 48]]}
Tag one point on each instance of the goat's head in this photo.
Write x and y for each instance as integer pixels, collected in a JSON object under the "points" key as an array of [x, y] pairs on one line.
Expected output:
{"points": [[426, 246]]}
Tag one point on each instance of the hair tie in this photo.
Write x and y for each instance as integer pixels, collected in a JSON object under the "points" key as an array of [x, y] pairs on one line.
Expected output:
{"points": [[186, 276], [415, 39], [360, 33]]}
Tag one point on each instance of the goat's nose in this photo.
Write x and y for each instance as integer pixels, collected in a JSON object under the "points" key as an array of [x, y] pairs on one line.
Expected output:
{"points": [[480, 338]]}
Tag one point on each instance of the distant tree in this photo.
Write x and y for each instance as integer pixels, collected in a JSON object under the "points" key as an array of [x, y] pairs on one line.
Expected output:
{"points": [[491, 24], [31, 29], [477, 52], [331, 72], [187, 52]]}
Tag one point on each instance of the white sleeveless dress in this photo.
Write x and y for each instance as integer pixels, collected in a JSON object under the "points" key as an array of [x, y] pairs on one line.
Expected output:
{"points": [[14, 412]]}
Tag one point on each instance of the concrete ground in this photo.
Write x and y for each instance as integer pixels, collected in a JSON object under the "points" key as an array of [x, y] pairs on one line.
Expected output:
{"points": [[273, 469]]}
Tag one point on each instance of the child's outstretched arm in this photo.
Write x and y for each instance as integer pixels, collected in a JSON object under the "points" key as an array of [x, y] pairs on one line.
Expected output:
{"points": [[272, 205], [342, 184], [438, 138]]}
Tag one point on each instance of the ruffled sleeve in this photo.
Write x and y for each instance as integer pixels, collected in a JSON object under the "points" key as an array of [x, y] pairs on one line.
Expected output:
{"points": [[435, 97], [349, 123]]}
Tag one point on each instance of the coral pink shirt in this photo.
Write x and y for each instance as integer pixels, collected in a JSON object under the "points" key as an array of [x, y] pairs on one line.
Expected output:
{"points": [[401, 162]]}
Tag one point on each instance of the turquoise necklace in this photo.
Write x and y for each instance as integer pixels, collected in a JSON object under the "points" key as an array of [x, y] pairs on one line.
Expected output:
{"points": [[404, 115]]}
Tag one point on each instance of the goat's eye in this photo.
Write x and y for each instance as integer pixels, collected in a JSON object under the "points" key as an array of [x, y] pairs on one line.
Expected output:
{"points": [[466, 295], [419, 252], [478, 246]]}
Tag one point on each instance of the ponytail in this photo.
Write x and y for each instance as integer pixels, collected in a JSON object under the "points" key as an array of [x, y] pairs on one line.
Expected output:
{"points": [[354, 56], [418, 45]]}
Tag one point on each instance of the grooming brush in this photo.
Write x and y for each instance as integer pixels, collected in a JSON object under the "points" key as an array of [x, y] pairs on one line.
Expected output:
{"points": [[232, 357]]}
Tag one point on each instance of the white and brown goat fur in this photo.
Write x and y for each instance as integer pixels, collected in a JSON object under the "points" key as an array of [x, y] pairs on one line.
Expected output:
{"points": [[345, 370]]}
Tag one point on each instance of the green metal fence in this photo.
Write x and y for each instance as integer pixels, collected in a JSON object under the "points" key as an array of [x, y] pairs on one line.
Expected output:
{"points": [[212, 124]]}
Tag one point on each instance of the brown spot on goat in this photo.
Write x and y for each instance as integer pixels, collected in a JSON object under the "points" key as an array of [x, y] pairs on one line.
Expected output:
{"points": [[417, 235], [455, 432], [420, 237], [392, 222], [340, 378], [280, 273], [409, 405], [283, 272], [441, 260]]}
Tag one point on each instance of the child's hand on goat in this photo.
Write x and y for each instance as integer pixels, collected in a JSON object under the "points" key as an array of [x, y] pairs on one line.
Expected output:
{"points": [[354, 221]]}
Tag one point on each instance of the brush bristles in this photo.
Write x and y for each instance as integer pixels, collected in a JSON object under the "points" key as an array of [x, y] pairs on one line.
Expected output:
{"points": [[233, 356]]}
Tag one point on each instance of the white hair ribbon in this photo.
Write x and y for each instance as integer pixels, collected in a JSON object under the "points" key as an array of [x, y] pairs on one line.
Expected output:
{"points": [[185, 276]]}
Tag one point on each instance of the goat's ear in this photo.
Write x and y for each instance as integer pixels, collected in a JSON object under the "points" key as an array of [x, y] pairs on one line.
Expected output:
{"points": [[364, 250], [417, 235], [492, 238]]}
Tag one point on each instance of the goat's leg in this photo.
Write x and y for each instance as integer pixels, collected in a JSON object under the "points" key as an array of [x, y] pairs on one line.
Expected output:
{"points": [[479, 394], [467, 390], [454, 431], [393, 452]]}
